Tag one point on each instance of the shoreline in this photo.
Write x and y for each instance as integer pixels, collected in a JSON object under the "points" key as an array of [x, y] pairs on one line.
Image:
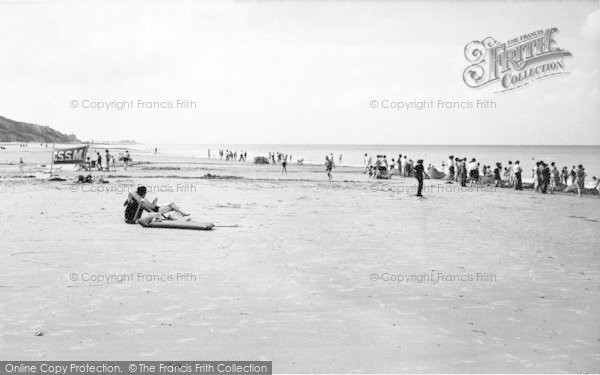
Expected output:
{"points": [[191, 168], [194, 151]]}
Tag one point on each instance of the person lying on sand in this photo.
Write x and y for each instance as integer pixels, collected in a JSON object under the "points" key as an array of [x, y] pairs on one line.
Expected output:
{"points": [[133, 212]]}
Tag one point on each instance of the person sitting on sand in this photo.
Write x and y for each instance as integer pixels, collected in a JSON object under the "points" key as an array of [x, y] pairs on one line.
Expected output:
{"points": [[596, 183], [81, 179], [133, 213]]}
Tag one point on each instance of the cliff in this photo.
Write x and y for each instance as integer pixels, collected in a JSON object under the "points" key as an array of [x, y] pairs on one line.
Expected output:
{"points": [[14, 131]]}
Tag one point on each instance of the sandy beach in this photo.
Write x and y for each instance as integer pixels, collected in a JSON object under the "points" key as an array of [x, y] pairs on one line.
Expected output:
{"points": [[352, 275], [439, 214]]}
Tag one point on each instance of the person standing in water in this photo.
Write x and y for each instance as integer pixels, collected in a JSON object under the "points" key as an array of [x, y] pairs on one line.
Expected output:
{"points": [[419, 170], [284, 166]]}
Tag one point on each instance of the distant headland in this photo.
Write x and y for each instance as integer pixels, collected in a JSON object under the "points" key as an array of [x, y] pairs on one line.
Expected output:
{"points": [[15, 131]]}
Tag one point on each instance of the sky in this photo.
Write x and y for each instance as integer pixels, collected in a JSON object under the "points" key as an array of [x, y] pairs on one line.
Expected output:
{"points": [[297, 72]]}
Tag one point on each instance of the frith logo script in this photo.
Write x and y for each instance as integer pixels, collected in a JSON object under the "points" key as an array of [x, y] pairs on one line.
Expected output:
{"points": [[515, 63]]}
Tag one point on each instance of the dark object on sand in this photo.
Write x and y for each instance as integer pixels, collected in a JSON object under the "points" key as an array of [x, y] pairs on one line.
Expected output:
{"points": [[432, 172], [85, 180], [147, 222], [261, 160]]}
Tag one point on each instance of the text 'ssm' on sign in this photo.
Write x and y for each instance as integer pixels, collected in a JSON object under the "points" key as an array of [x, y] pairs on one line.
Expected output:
{"points": [[73, 155]]}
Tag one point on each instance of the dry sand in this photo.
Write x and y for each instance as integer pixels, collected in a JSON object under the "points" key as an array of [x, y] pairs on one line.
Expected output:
{"points": [[293, 283]]}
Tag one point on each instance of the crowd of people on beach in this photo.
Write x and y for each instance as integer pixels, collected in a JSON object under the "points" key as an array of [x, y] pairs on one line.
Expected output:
{"points": [[546, 177], [279, 157], [24, 145], [108, 163], [382, 168], [230, 155]]}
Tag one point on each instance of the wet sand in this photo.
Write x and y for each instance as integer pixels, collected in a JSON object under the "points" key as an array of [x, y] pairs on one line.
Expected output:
{"points": [[317, 276]]}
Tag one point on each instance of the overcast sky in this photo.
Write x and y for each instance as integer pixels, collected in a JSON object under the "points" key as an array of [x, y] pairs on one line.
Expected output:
{"points": [[291, 72]]}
